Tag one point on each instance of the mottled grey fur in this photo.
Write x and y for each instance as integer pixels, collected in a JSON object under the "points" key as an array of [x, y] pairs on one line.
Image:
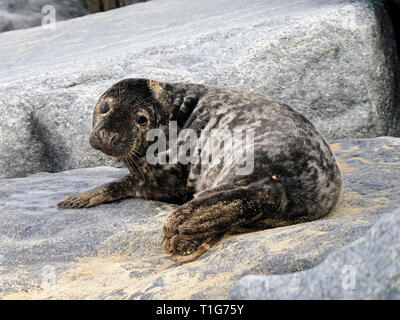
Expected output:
{"points": [[296, 177]]}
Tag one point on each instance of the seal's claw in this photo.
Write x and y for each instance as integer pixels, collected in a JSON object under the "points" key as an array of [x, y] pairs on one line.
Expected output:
{"points": [[192, 256], [73, 202], [166, 245], [183, 239]]}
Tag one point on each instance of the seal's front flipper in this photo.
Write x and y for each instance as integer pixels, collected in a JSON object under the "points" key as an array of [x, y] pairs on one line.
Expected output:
{"points": [[106, 193], [86, 199], [196, 226]]}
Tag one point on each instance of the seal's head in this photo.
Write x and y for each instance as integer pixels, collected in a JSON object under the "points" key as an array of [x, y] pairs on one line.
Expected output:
{"points": [[125, 113]]}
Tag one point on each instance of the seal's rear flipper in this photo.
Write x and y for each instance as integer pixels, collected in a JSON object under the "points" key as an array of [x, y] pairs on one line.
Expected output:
{"points": [[196, 226]]}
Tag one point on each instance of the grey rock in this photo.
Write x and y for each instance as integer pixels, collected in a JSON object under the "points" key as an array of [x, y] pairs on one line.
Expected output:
{"points": [[369, 268], [113, 251], [21, 14], [335, 61], [22, 149]]}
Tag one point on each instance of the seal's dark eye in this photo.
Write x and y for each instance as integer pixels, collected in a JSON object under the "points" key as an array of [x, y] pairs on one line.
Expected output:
{"points": [[104, 108], [142, 120]]}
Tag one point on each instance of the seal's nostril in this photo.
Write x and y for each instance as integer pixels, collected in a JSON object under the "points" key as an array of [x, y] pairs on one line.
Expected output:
{"points": [[107, 136], [112, 137], [102, 134]]}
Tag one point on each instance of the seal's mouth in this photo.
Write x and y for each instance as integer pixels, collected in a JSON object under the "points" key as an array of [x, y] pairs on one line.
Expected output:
{"points": [[110, 151], [106, 142]]}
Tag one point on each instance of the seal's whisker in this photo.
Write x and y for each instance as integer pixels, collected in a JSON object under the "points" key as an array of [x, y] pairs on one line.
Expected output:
{"points": [[131, 161], [134, 155]]}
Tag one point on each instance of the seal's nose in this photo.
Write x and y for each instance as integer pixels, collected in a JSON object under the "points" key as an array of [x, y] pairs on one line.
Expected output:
{"points": [[108, 137]]}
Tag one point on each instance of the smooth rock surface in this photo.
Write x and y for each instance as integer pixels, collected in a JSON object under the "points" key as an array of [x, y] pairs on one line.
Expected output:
{"points": [[21, 14], [369, 268], [114, 251], [335, 61]]}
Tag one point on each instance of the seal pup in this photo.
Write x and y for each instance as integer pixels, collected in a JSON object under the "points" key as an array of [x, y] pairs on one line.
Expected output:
{"points": [[294, 175]]}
